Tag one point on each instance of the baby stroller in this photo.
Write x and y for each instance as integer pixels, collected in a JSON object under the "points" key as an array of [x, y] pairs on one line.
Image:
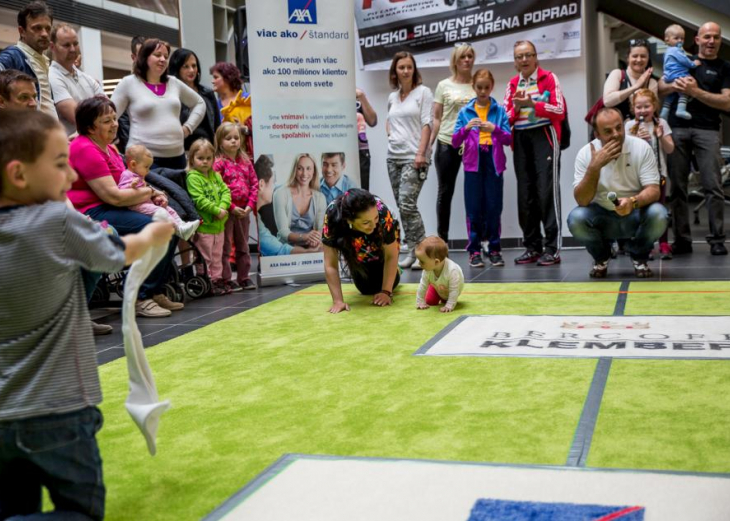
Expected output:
{"points": [[191, 271], [182, 280]]}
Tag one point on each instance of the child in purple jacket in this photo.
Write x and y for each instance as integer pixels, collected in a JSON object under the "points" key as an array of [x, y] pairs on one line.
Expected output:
{"points": [[482, 127]]}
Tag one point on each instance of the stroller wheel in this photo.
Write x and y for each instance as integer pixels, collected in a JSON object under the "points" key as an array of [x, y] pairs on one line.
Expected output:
{"points": [[173, 292], [101, 293], [196, 287], [119, 288]]}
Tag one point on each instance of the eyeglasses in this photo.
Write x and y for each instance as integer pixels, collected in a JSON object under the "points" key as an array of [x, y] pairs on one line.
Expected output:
{"points": [[526, 56], [460, 44], [639, 42]]}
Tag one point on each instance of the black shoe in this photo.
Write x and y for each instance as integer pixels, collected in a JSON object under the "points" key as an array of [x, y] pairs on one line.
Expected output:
{"points": [[718, 249], [475, 260], [495, 258], [528, 257], [548, 259], [681, 247]]}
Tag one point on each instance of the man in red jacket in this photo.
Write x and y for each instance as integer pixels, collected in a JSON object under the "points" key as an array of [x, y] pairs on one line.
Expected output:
{"points": [[535, 106]]}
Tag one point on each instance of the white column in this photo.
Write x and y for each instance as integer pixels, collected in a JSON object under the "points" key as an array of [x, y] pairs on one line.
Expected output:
{"points": [[91, 59], [196, 33]]}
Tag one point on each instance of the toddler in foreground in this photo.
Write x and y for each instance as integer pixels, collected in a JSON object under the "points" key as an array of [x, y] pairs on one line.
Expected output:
{"points": [[442, 279], [49, 390], [139, 161]]}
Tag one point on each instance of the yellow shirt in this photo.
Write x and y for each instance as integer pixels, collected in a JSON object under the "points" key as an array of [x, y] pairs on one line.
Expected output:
{"points": [[238, 109], [485, 138]]}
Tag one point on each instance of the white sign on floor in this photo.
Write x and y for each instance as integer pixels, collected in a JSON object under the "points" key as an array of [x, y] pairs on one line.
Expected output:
{"points": [[685, 337], [321, 488]]}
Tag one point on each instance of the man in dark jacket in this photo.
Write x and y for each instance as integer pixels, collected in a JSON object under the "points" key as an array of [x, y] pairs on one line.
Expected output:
{"points": [[34, 27]]}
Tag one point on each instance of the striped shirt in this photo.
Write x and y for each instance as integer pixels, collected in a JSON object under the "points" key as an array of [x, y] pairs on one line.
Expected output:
{"points": [[41, 66], [47, 353], [526, 117]]}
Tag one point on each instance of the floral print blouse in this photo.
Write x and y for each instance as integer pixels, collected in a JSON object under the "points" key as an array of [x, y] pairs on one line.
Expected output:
{"points": [[366, 246]]}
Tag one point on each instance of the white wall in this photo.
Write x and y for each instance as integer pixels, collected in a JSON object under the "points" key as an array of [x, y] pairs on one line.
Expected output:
{"points": [[196, 33], [572, 76]]}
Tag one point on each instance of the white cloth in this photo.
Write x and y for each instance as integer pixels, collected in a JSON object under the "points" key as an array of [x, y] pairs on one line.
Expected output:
{"points": [[631, 123], [406, 119], [143, 403], [448, 285], [626, 175], [154, 121], [76, 85], [40, 65]]}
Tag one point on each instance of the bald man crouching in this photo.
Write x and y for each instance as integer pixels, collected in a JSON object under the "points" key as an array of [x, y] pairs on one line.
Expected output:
{"points": [[616, 187]]}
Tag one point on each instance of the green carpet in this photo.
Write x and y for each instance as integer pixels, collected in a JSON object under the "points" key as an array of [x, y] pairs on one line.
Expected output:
{"points": [[672, 415], [289, 377]]}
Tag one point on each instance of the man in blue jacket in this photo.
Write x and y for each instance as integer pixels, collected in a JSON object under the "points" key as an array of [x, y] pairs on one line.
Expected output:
{"points": [[34, 26]]}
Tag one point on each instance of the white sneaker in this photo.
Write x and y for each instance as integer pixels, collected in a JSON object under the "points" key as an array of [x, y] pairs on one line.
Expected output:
{"points": [[187, 230], [150, 308], [416, 265], [101, 329], [409, 261]]}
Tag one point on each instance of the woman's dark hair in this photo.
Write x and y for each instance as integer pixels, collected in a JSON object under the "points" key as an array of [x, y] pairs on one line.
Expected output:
{"points": [[264, 168], [88, 110], [149, 47], [230, 74], [640, 42], [178, 59], [393, 75], [346, 208]]}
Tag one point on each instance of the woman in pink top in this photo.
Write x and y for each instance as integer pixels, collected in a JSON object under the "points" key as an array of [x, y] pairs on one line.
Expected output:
{"points": [[97, 195]]}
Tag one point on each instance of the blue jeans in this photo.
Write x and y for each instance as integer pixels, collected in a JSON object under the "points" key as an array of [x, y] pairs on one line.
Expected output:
{"points": [[596, 228], [59, 452], [483, 201], [126, 221]]}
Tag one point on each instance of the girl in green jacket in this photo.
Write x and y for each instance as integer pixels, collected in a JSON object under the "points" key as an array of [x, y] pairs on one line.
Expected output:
{"points": [[212, 199]]}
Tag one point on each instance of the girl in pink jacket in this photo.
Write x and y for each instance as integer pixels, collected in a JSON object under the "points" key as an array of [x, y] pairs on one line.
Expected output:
{"points": [[238, 173]]}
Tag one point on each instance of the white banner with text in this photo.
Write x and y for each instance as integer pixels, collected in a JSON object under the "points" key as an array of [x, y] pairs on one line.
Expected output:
{"points": [[684, 337], [430, 28], [302, 62]]}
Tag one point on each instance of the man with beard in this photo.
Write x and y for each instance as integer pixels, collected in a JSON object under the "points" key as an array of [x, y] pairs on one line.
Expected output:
{"points": [[616, 186]]}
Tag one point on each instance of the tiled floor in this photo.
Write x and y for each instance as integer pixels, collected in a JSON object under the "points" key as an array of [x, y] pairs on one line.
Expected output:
{"points": [[574, 267]]}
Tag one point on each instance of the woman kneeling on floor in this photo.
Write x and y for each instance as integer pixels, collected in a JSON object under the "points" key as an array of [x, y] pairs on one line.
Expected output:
{"points": [[359, 227]]}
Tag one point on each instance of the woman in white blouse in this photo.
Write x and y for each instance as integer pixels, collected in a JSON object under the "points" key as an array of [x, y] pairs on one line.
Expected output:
{"points": [[153, 100], [410, 118]]}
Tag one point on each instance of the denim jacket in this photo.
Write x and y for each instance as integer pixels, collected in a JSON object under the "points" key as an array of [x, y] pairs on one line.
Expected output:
{"points": [[501, 136], [14, 58]]}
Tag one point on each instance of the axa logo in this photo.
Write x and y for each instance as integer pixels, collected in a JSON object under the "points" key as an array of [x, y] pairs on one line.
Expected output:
{"points": [[302, 11]]}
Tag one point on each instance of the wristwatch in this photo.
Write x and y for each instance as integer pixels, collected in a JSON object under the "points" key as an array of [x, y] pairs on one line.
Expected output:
{"points": [[634, 202]]}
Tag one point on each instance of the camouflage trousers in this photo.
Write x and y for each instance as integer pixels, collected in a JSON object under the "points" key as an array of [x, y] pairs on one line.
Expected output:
{"points": [[407, 182]]}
